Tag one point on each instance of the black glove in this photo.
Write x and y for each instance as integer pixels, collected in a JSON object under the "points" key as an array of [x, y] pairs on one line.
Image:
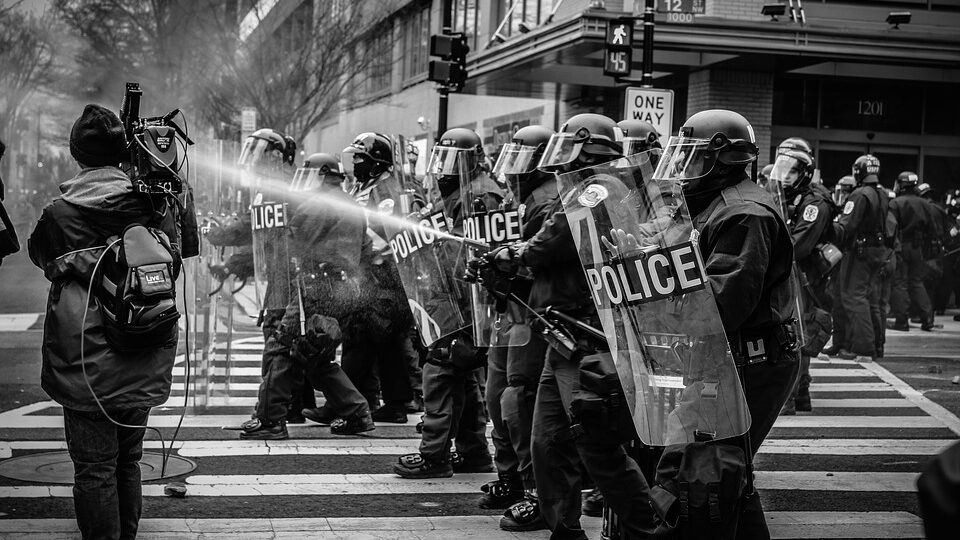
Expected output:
{"points": [[320, 342]]}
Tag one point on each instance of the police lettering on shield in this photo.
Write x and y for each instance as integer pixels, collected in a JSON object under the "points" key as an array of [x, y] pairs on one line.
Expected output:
{"points": [[649, 276]]}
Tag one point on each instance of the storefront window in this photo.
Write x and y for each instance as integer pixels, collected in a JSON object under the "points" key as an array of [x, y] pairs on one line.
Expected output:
{"points": [[943, 110], [466, 19], [871, 106], [941, 172], [795, 101]]}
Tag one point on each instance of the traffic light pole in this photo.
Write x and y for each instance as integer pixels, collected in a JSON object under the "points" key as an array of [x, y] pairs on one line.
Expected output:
{"points": [[447, 18], [646, 79]]}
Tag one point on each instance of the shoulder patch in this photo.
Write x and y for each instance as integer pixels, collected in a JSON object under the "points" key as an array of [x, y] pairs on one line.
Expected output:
{"points": [[847, 208], [811, 212]]}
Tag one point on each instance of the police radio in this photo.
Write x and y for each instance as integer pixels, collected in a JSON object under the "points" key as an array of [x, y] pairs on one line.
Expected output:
{"points": [[154, 143]]}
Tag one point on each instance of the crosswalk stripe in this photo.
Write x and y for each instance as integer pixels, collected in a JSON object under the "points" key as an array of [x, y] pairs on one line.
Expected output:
{"points": [[17, 322], [866, 403], [849, 387], [391, 484], [840, 372], [858, 422], [935, 410], [782, 525], [856, 447]]}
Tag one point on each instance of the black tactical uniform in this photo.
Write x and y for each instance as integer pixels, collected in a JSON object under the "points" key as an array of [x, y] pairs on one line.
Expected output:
{"points": [[861, 230], [917, 230]]}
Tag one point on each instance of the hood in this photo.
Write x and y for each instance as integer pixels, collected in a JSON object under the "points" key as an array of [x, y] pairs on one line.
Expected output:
{"points": [[97, 188]]}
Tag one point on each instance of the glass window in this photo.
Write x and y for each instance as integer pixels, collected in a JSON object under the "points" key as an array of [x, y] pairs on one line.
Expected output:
{"points": [[892, 164], [834, 164], [381, 59], [466, 19], [941, 172], [416, 42], [529, 12], [871, 105], [795, 101], [943, 109]]}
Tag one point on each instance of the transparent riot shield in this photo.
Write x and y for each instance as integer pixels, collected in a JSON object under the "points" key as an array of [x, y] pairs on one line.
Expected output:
{"points": [[491, 218], [269, 223], [640, 256], [425, 253], [782, 205]]}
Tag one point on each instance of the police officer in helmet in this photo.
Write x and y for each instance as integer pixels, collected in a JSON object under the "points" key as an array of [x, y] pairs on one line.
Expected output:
{"points": [[638, 136], [748, 256], [584, 140], [916, 218], [862, 232], [810, 215], [513, 372]]}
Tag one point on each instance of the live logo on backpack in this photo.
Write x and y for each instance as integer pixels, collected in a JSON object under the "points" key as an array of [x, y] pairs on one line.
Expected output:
{"points": [[647, 277], [268, 216]]}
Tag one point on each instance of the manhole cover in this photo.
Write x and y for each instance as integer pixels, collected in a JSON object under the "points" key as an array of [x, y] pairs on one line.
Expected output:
{"points": [[56, 467]]}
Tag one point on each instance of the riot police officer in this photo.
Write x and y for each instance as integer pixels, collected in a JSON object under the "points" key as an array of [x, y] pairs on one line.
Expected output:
{"points": [[748, 255], [913, 214], [810, 214], [638, 136], [513, 372], [325, 240], [453, 405], [551, 254], [862, 232], [378, 351]]}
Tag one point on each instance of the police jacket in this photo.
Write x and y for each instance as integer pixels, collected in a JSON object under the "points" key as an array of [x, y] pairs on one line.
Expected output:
{"points": [[810, 221], [66, 244], [863, 217], [917, 218], [325, 232], [748, 254], [537, 207]]}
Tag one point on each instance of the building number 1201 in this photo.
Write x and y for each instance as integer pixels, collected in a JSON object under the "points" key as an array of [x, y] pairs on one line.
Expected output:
{"points": [[869, 108]]}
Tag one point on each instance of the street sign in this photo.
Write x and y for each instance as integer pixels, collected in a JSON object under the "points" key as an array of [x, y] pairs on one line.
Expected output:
{"points": [[617, 63], [248, 120], [697, 7], [652, 105]]}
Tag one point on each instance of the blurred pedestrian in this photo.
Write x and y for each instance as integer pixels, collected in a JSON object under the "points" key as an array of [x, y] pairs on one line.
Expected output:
{"points": [[9, 243]]}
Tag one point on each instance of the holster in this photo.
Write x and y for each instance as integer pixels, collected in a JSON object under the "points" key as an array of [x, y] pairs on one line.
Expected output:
{"points": [[766, 344]]}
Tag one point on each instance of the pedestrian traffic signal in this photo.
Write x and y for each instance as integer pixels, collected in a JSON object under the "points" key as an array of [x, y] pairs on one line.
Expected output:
{"points": [[618, 55], [451, 69]]}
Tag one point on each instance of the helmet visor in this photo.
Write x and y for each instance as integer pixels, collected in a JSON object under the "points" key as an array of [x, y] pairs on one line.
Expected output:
{"points": [[450, 161], [563, 148], [305, 179], [254, 152], [634, 145], [685, 158], [786, 170], [515, 159]]}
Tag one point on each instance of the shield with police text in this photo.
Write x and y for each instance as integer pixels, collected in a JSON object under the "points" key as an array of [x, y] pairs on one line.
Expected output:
{"points": [[639, 252], [272, 256]]}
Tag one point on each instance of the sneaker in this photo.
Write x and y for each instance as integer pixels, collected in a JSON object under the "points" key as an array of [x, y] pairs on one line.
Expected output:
{"points": [[321, 415], [480, 463], [501, 493], [416, 466], [265, 432], [390, 415], [353, 424], [592, 504], [523, 516]]}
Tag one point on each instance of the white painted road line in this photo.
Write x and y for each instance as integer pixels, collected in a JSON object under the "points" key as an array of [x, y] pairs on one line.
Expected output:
{"points": [[849, 387], [837, 481], [782, 525], [865, 403], [933, 409], [840, 372], [17, 322], [856, 447], [858, 422]]}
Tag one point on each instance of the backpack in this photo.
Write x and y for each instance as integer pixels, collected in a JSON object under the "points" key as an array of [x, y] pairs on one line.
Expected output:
{"points": [[136, 290], [700, 490]]}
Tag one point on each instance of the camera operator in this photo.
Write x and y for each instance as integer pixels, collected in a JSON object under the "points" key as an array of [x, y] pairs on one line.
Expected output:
{"points": [[67, 244]]}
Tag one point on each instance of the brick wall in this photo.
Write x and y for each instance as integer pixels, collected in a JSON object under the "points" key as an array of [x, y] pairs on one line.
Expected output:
{"points": [[746, 92], [736, 9]]}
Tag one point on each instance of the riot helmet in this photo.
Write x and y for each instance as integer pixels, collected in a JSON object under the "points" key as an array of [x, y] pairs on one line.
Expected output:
{"points": [[843, 189], [764, 176], [793, 169], [266, 148], [458, 153], [318, 170], [866, 169], [638, 136], [585, 139], [924, 190], [906, 182], [367, 157], [710, 152], [795, 143], [518, 159]]}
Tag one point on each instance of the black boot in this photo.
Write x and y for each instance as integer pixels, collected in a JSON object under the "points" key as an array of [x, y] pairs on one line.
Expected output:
{"points": [[263, 431], [416, 466], [501, 493]]}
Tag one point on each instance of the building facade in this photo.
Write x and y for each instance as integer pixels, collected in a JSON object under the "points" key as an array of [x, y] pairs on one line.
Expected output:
{"points": [[843, 78]]}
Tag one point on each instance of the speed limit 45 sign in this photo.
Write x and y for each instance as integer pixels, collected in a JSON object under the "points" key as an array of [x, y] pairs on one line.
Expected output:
{"points": [[653, 105]]}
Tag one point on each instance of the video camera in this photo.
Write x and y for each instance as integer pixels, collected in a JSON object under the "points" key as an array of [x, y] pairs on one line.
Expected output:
{"points": [[154, 145]]}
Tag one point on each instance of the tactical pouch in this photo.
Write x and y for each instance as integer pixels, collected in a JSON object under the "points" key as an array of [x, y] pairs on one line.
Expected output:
{"points": [[817, 329], [826, 257], [700, 491], [598, 405]]}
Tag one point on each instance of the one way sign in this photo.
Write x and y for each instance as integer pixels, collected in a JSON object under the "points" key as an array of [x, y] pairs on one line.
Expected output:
{"points": [[652, 105]]}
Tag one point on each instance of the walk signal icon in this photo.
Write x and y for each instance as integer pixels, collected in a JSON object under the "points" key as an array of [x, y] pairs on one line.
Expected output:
{"points": [[619, 48]]}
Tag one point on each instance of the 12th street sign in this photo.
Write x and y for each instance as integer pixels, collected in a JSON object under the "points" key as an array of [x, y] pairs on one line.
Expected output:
{"points": [[652, 105]]}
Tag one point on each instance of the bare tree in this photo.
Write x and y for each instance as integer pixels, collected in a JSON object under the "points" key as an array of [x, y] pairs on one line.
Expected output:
{"points": [[295, 73], [26, 61]]}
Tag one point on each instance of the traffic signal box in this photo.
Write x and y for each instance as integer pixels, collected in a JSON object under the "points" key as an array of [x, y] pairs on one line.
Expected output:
{"points": [[618, 55], [451, 69]]}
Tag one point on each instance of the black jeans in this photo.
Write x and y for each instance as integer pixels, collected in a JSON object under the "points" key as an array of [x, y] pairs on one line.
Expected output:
{"points": [[106, 465]]}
